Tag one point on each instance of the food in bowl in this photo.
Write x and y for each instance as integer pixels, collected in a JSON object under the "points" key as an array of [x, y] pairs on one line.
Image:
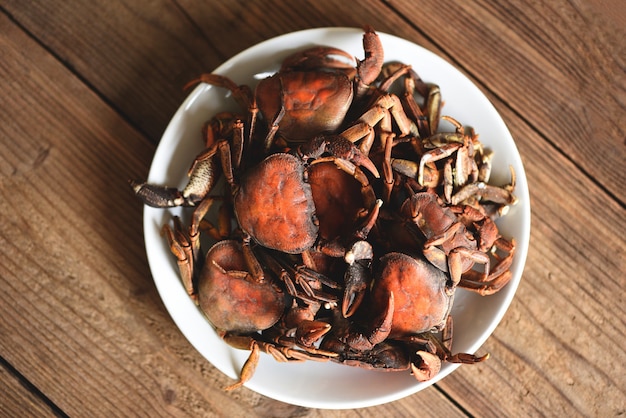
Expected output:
{"points": [[357, 216]]}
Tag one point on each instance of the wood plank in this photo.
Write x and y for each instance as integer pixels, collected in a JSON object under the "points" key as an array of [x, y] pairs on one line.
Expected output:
{"points": [[611, 11], [82, 320], [136, 55]]}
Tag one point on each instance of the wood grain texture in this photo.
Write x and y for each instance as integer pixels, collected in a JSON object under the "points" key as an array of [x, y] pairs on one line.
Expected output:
{"points": [[137, 56], [19, 398], [87, 90]]}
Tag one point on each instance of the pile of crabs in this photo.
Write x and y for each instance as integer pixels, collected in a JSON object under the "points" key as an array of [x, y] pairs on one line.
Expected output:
{"points": [[348, 220]]}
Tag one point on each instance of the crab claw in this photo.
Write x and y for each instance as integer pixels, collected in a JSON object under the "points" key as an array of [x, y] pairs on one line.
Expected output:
{"points": [[242, 94], [308, 332], [377, 333], [340, 147], [157, 196], [426, 366], [369, 69], [357, 277]]}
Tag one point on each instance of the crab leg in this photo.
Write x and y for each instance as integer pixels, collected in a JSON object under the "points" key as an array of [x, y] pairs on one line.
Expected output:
{"points": [[379, 113], [202, 178], [203, 175], [242, 94], [194, 228], [252, 263], [500, 195], [499, 276], [249, 367], [456, 258], [157, 196], [181, 248], [339, 147], [388, 177], [269, 139], [369, 68], [435, 155]]}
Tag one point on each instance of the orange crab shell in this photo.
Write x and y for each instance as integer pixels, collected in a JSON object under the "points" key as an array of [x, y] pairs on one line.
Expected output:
{"points": [[314, 102], [232, 302], [338, 199], [422, 301], [274, 205]]}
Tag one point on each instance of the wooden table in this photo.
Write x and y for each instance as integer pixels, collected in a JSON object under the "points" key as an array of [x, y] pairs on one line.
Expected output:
{"points": [[87, 89]]}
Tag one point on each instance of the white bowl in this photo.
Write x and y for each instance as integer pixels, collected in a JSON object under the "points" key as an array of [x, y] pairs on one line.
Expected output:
{"points": [[329, 385]]}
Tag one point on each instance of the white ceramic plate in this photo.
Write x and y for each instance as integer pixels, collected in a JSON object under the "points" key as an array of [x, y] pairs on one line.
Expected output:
{"points": [[328, 385]]}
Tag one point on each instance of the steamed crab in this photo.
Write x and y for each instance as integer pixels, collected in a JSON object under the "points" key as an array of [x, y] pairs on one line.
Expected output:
{"points": [[408, 305]]}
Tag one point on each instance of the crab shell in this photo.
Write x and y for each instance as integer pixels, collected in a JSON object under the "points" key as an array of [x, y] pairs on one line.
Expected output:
{"points": [[274, 205], [313, 101], [338, 199], [422, 300], [233, 301]]}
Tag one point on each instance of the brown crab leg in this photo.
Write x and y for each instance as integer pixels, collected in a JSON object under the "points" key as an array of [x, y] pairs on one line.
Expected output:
{"points": [[456, 258], [252, 263], [242, 94], [182, 250], [486, 192], [194, 228], [433, 107], [249, 367], [488, 287], [339, 147], [388, 177], [369, 68], [435, 155], [269, 139], [392, 72], [223, 228], [448, 181]]}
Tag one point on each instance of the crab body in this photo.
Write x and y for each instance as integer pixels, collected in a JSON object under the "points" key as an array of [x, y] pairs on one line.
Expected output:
{"points": [[231, 298], [313, 102], [422, 298], [275, 205]]}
